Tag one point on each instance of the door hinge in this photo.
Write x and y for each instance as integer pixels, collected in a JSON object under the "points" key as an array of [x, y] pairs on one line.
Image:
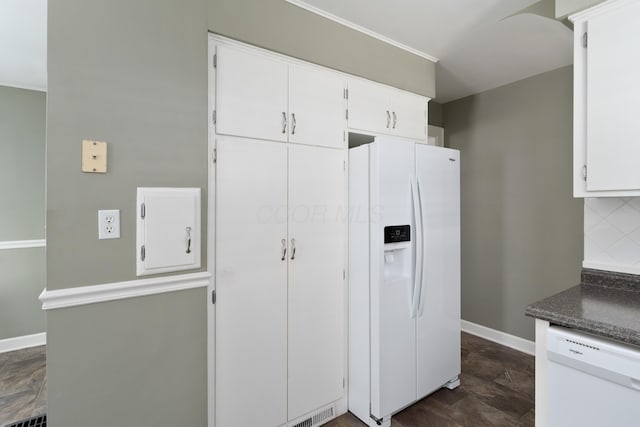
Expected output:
{"points": [[143, 211], [143, 253], [215, 155], [213, 297], [585, 38], [215, 61], [584, 172], [346, 94], [347, 114], [214, 117]]}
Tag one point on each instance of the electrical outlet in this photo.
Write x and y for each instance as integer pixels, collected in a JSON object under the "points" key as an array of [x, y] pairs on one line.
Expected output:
{"points": [[109, 224]]}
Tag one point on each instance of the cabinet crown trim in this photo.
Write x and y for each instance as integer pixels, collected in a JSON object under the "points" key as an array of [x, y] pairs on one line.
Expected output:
{"points": [[598, 10]]}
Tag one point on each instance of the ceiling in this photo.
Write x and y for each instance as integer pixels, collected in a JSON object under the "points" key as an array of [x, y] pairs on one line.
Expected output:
{"points": [[479, 45], [23, 44]]}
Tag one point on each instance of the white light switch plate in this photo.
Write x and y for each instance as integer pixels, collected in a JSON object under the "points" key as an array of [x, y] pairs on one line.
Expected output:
{"points": [[109, 224]]}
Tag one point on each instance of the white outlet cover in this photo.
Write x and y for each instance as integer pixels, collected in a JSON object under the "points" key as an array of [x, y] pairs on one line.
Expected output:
{"points": [[109, 224]]}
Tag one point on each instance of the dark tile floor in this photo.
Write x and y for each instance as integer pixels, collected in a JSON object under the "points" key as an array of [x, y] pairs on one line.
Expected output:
{"points": [[23, 384], [497, 389]]}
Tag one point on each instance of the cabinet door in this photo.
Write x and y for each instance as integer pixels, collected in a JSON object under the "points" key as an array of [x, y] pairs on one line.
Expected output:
{"points": [[316, 107], [251, 95], [368, 107], [408, 115], [251, 277], [613, 95], [317, 218]]}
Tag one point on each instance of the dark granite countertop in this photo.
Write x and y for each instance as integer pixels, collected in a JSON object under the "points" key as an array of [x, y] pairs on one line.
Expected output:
{"points": [[605, 304]]}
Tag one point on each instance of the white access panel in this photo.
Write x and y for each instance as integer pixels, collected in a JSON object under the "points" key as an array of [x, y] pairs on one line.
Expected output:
{"points": [[613, 97], [393, 330], [317, 245], [251, 283], [251, 95], [316, 107], [438, 321], [168, 230]]}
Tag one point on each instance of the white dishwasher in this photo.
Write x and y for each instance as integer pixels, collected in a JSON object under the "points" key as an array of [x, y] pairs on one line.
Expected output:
{"points": [[592, 381]]}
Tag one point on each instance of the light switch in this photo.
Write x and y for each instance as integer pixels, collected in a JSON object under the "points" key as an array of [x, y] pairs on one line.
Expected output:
{"points": [[94, 156]]}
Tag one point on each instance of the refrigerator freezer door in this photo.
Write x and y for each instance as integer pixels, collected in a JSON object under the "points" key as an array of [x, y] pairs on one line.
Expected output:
{"points": [[393, 331], [438, 320]]}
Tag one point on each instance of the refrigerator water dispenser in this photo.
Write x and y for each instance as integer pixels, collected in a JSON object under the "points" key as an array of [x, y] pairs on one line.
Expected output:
{"points": [[397, 253]]}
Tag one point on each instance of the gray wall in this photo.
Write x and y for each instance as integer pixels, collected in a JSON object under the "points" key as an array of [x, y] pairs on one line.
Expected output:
{"points": [[22, 151], [285, 28], [521, 227], [136, 362], [134, 74], [435, 114], [22, 148]]}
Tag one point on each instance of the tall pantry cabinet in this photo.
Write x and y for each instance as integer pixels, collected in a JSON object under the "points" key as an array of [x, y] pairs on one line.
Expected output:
{"points": [[280, 221]]}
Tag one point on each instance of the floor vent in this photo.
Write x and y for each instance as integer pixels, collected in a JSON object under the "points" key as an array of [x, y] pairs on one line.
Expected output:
{"points": [[317, 418], [37, 421]]}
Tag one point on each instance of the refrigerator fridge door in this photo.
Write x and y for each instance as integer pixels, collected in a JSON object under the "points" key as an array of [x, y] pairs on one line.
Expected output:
{"points": [[393, 330], [438, 317]]}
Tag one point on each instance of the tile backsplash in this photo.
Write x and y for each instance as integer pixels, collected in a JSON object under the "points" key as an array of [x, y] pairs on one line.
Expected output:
{"points": [[612, 231]]}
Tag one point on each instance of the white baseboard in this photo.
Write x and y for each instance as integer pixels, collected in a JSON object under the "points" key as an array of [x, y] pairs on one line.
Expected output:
{"points": [[26, 341], [499, 337]]}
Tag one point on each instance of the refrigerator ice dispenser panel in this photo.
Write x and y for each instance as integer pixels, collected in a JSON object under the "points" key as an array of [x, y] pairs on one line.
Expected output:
{"points": [[397, 233]]}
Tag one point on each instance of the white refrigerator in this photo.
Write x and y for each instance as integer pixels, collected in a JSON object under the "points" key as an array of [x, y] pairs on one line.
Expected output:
{"points": [[404, 275]]}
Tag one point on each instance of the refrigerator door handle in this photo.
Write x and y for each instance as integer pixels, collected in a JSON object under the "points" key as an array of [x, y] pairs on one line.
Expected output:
{"points": [[415, 299], [422, 250]]}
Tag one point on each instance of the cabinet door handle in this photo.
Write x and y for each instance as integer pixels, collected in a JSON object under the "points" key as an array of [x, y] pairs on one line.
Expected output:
{"points": [[293, 249], [293, 123], [284, 249], [388, 119], [284, 122], [395, 119], [188, 230]]}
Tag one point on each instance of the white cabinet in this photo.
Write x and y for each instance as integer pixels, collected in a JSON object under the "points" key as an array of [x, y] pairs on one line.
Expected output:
{"points": [[408, 114], [381, 109], [606, 97], [317, 231], [258, 96], [316, 107], [280, 245], [251, 283], [251, 95]]}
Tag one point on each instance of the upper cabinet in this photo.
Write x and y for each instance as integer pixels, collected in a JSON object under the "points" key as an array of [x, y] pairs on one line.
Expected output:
{"points": [[606, 99], [374, 108], [261, 97], [251, 95]]}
